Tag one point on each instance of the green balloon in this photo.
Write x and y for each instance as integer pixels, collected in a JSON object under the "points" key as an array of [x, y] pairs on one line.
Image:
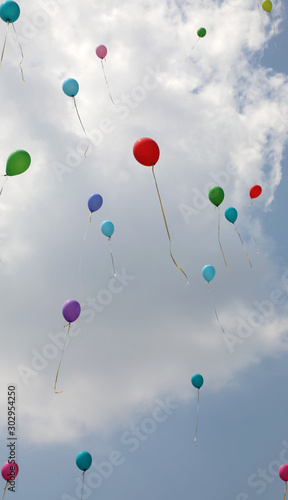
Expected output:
{"points": [[201, 32], [216, 195], [18, 162]]}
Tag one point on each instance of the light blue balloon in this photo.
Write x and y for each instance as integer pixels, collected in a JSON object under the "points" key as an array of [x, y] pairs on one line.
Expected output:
{"points": [[107, 228], [70, 87], [231, 214], [9, 11], [197, 380], [83, 460], [208, 273]]}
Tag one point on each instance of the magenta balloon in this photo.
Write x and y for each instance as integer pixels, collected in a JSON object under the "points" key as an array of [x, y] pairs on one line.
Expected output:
{"points": [[283, 472], [9, 471], [71, 310], [101, 51]]}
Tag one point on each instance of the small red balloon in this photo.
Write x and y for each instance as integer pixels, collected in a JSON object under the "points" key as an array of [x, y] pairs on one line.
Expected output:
{"points": [[255, 191], [146, 151], [9, 471], [283, 472]]}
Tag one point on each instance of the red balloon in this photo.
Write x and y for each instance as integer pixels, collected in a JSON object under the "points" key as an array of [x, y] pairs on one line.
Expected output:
{"points": [[283, 472], [255, 191], [146, 151], [9, 471]]}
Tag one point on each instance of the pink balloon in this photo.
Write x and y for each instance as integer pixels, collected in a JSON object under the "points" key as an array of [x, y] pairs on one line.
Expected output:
{"points": [[9, 471], [283, 472], [101, 51]]}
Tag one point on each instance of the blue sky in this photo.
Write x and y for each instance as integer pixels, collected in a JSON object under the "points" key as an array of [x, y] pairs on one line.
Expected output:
{"points": [[219, 115]]}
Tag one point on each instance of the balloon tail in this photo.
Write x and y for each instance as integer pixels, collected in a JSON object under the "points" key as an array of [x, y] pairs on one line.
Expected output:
{"points": [[3, 185], [5, 489], [216, 315], [21, 50], [273, 22], [243, 245], [107, 83], [193, 45], [196, 431], [167, 227], [220, 241], [59, 392], [82, 484], [114, 273], [81, 125], [285, 490], [4, 45], [260, 13]]}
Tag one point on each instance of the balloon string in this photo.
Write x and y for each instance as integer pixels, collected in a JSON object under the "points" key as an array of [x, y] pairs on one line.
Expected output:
{"points": [[114, 273], [196, 431], [5, 489], [81, 125], [219, 239], [260, 13], [210, 297], [4, 184], [107, 83], [285, 490], [243, 245], [167, 227], [82, 484], [186, 59], [69, 324], [21, 50], [4, 45], [273, 22]]}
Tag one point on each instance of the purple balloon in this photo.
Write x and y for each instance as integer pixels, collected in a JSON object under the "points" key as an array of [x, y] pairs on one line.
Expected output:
{"points": [[71, 310], [95, 202]]}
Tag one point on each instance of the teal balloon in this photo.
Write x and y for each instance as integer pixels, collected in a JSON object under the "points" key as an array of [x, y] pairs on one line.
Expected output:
{"points": [[208, 273], [70, 87], [107, 228], [83, 460], [9, 11], [231, 214], [197, 380]]}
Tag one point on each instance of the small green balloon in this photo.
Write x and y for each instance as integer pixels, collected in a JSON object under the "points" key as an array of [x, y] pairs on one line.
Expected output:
{"points": [[216, 195], [18, 162], [201, 32]]}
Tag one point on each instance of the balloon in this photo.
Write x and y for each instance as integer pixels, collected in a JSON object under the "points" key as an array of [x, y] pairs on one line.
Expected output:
{"points": [[70, 87], [146, 151], [256, 190], [201, 32], [17, 162], [267, 5], [95, 201], [107, 228], [231, 214], [283, 472], [71, 310], [9, 471], [83, 460], [208, 273], [9, 11], [101, 51], [216, 195], [197, 380]]}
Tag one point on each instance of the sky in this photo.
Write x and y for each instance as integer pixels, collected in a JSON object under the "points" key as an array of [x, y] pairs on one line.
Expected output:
{"points": [[218, 112]]}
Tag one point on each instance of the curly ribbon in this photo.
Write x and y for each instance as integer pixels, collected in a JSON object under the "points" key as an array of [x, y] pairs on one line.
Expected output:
{"points": [[167, 227], [5, 489], [69, 324], [219, 239], [4, 45], [21, 50], [196, 431], [210, 297], [114, 273], [243, 245], [107, 83], [81, 125], [285, 490]]}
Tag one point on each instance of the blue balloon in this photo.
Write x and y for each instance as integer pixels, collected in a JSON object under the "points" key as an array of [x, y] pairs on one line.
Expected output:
{"points": [[197, 380], [70, 87], [83, 460], [95, 201], [9, 11], [107, 228], [208, 273], [231, 214]]}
